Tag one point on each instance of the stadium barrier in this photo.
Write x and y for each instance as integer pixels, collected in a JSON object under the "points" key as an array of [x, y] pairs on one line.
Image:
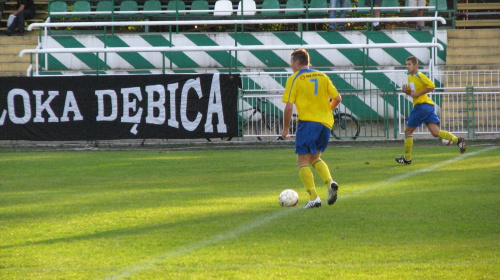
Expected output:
{"points": [[466, 112], [385, 100], [467, 102], [106, 49]]}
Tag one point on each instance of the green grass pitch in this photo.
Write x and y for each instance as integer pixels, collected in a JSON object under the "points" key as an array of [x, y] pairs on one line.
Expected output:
{"points": [[214, 214]]}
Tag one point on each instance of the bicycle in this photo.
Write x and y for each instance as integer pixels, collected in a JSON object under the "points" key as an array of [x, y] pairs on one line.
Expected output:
{"points": [[269, 121], [345, 125]]}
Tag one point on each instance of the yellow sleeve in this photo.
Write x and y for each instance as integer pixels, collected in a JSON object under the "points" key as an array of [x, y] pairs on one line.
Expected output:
{"points": [[332, 90], [427, 82], [287, 95]]}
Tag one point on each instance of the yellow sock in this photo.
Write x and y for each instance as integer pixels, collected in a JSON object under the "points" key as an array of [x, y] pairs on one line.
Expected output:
{"points": [[322, 170], [307, 178], [447, 136], [408, 147]]}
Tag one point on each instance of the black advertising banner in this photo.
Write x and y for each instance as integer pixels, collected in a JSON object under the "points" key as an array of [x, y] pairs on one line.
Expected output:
{"points": [[66, 108]]}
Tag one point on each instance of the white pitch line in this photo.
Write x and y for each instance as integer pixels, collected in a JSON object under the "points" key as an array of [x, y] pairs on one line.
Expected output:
{"points": [[151, 263]]}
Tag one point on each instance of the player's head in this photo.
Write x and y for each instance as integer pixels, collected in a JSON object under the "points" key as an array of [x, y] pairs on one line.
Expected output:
{"points": [[299, 59], [412, 64]]}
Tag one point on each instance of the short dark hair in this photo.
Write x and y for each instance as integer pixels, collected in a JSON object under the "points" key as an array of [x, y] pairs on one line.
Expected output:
{"points": [[301, 55], [413, 60]]}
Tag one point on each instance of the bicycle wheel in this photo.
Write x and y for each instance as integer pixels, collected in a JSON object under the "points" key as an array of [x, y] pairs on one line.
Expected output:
{"points": [[345, 125]]}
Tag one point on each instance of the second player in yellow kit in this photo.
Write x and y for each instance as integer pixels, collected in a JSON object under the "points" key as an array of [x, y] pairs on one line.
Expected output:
{"points": [[423, 111]]}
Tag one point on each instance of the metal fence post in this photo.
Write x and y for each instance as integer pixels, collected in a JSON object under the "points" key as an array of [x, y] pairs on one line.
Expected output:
{"points": [[395, 110], [470, 99]]}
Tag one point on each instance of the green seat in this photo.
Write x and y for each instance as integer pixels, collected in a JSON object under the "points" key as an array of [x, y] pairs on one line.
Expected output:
{"points": [[390, 3], [318, 4], [58, 7], [152, 5], [104, 6], [81, 6], [294, 4], [128, 6], [441, 5], [270, 4], [176, 5], [200, 5]]}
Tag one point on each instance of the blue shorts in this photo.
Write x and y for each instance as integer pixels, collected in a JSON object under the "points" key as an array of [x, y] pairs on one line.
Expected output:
{"points": [[422, 113], [311, 137]]}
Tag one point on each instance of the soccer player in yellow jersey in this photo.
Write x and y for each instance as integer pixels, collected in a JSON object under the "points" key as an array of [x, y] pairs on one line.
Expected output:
{"points": [[423, 110], [314, 97]]}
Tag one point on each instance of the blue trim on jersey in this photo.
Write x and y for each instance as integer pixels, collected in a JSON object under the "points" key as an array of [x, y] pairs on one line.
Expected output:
{"points": [[306, 70]]}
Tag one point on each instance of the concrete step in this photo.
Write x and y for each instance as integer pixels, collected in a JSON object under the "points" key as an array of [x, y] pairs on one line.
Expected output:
{"points": [[16, 49], [19, 40], [473, 43], [14, 67], [14, 57], [478, 23], [13, 73], [490, 51], [466, 59], [472, 67], [473, 33], [10, 62]]}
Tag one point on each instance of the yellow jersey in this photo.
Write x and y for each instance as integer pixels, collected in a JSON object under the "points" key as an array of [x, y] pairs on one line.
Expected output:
{"points": [[418, 82], [310, 90]]}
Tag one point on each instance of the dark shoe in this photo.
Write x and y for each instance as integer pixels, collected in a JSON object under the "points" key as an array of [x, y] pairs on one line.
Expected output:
{"points": [[332, 192], [377, 28], [461, 145], [9, 33], [331, 29], [341, 28], [418, 28], [20, 33], [403, 160]]}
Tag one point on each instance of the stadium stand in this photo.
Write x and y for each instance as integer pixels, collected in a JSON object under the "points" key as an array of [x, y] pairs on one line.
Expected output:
{"points": [[480, 14]]}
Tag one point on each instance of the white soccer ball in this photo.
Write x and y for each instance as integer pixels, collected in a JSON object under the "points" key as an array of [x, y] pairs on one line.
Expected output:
{"points": [[289, 198], [446, 142]]}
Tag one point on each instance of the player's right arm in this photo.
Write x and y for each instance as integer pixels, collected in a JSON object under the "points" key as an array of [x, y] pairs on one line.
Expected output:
{"points": [[335, 102], [333, 94]]}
